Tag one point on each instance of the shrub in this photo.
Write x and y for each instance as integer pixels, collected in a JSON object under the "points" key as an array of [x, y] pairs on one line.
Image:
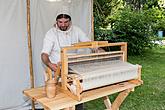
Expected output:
{"points": [[133, 27], [157, 16], [138, 28]]}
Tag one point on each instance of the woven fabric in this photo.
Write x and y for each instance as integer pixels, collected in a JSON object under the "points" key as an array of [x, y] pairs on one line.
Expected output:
{"points": [[97, 74]]}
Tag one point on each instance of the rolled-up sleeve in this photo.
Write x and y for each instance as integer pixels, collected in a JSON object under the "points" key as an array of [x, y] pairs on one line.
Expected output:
{"points": [[47, 45]]}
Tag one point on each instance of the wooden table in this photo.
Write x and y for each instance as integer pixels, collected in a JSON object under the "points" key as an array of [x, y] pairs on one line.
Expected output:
{"points": [[62, 101]]}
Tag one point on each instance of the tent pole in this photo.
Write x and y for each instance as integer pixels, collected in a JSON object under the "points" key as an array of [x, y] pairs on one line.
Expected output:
{"points": [[30, 49], [92, 21]]}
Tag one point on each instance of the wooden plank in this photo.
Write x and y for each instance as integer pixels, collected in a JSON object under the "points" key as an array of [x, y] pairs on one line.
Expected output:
{"points": [[70, 108], [89, 46], [139, 72], [95, 54], [63, 101], [35, 93], [107, 102], [124, 49], [94, 58], [120, 98], [91, 43], [64, 69]]}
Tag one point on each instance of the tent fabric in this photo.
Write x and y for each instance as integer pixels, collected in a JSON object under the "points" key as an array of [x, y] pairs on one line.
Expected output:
{"points": [[14, 72], [14, 61]]}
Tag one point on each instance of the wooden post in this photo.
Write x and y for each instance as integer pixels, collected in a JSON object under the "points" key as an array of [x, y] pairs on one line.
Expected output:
{"points": [[124, 49], [30, 49], [120, 98], [64, 69], [107, 102], [139, 72]]}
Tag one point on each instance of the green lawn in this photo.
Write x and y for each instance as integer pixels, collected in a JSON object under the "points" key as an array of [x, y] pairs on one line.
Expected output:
{"points": [[149, 96]]}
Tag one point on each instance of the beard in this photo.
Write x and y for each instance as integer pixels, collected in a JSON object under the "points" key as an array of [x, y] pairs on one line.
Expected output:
{"points": [[63, 28]]}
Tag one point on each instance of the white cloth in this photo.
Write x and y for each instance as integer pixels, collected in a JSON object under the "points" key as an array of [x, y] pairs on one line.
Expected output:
{"points": [[55, 39], [14, 61], [64, 10]]}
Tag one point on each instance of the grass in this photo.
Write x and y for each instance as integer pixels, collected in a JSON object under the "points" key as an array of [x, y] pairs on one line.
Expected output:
{"points": [[149, 96]]}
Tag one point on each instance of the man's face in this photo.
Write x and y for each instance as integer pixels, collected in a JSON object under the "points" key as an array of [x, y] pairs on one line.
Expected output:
{"points": [[63, 24]]}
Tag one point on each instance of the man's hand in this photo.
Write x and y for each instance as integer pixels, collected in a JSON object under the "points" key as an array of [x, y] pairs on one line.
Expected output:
{"points": [[46, 61], [52, 66]]}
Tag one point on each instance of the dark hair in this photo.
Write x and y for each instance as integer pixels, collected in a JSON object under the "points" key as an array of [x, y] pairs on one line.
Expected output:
{"points": [[63, 16]]}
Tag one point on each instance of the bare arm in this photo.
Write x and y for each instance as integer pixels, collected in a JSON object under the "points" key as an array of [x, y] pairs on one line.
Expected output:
{"points": [[46, 61]]}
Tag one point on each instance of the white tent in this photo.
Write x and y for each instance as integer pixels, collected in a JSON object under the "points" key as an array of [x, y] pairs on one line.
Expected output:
{"points": [[14, 58]]}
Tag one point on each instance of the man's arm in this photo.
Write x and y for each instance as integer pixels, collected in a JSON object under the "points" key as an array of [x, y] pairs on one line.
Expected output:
{"points": [[46, 61]]}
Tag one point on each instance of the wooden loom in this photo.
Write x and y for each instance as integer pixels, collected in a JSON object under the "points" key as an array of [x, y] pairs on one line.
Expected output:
{"points": [[65, 97], [71, 77]]}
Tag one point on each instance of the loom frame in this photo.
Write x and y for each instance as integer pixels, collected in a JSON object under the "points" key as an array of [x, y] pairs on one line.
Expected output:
{"points": [[93, 44]]}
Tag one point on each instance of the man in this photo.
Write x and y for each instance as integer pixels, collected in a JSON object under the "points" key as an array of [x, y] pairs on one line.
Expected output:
{"points": [[62, 34]]}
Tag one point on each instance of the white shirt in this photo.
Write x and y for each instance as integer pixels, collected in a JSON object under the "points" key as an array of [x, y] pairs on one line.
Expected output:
{"points": [[55, 39]]}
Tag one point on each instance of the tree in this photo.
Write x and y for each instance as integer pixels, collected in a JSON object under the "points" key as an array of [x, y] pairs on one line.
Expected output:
{"points": [[132, 21], [142, 4], [103, 9]]}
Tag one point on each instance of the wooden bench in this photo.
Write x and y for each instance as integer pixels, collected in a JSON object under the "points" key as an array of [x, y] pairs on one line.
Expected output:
{"points": [[62, 100]]}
